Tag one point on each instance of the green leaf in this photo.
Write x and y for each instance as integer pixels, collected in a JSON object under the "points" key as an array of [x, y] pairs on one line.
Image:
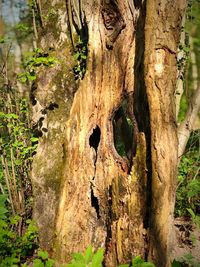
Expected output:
{"points": [[176, 264], [22, 79], [12, 116], [38, 263], [76, 55], [31, 76], [3, 211], [98, 258], [51, 60], [50, 263], [2, 40], [83, 56], [34, 139], [43, 254], [75, 264], [18, 162], [22, 27], [123, 265], [2, 114], [147, 264], [191, 213], [14, 220], [137, 260], [10, 125], [38, 50], [78, 257], [88, 254]]}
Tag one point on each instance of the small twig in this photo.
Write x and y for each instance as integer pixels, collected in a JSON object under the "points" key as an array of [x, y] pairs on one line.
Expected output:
{"points": [[39, 8], [5, 65], [6, 176], [197, 172], [2, 190], [15, 191], [34, 27]]}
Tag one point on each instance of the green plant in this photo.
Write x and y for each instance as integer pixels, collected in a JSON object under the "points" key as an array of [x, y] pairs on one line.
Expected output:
{"points": [[138, 262], [15, 248], [51, 14], [89, 258], [33, 61], [42, 260], [92, 259], [195, 217], [80, 56], [22, 30], [188, 188], [18, 235], [2, 40], [187, 260], [17, 145]]}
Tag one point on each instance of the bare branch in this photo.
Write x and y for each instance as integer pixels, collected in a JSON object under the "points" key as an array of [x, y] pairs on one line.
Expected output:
{"points": [[186, 126]]}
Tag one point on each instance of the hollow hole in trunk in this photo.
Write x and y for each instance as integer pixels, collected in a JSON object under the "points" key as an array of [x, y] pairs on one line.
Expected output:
{"points": [[95, 202], [123, 131], [95, 138]]}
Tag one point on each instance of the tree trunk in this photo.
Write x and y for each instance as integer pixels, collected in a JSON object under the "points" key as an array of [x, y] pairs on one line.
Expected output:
{"points": [[85, 192], [163, 22]]}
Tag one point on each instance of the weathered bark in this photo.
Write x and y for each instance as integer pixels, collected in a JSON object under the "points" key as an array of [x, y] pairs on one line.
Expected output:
{"points": [[163, 21], [181, 70], [100, 204], [51, 97], [85, 193]]}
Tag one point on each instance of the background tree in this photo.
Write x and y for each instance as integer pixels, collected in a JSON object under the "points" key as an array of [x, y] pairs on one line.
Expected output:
{"points": [[188, 187]]}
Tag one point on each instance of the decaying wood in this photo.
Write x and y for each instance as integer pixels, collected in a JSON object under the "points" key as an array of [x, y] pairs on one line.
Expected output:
{"points": [[98, 194], [84, 191], [113, 21], [163, 21]]}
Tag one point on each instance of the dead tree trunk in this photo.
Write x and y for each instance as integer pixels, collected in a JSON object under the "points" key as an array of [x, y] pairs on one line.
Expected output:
{"points": [[85, 191], [162, 27]]}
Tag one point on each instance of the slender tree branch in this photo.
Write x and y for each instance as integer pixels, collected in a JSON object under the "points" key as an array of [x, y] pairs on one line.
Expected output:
{"points": [[186, 126], [181, 70]]}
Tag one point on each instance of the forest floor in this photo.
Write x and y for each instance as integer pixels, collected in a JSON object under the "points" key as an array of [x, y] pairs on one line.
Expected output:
{"points": [[187, 240]]}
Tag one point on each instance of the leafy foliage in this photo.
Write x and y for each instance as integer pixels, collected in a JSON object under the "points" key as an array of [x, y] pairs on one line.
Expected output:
{"points": [[80, 56], [17, 146], [32, 61], [15, 248], [186, 260], [89, 258], [42, 260], [138, 262], [188, 191], [23, 30], [190, 57]]}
